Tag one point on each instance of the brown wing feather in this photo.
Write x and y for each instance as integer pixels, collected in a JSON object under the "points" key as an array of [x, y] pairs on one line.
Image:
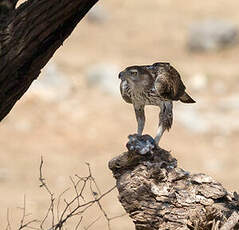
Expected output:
{"points": [[168, 82], [177, 84]]}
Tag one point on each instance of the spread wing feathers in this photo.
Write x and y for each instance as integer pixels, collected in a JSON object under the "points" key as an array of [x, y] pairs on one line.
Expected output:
{"points": [[169, 85]]}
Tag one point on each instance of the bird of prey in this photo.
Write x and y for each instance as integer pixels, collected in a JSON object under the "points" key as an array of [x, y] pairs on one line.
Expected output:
{"points": [[159, 84]]}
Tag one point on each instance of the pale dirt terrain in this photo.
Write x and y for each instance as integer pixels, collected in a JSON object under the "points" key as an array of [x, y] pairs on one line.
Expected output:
{"points": [[92, 126]]}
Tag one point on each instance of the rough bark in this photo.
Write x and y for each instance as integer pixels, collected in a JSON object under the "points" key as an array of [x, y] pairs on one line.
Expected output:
{"points": [[29, 36], [159, 195]]}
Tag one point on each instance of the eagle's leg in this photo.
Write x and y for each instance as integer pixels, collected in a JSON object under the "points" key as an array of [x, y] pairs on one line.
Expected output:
{"points": [[140, 117], [165, 119]]}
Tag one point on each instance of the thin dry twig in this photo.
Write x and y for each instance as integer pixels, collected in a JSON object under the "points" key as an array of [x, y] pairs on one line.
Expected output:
{"points": [[23, 223], [93, 179], [79, 222], [85, 181], [8, 221], [75, 188], [95, 195], [52, 198], [92, 223], [102, 210], [24, 211], [88, 204], [118, 216], [58, 204], [72, 208]]}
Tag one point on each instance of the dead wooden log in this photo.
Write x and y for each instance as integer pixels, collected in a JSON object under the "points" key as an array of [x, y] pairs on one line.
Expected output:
{"points": [[157, 194], [29, 36]]}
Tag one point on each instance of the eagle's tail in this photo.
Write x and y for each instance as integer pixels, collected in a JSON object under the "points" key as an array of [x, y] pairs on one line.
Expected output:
{"points": [[185, 98]]}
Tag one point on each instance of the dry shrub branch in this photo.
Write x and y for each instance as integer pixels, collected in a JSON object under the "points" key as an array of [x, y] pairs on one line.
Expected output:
{"points": [[62, 210]]}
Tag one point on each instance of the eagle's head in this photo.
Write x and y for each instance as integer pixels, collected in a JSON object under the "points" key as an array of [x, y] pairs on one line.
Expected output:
{"points": [[137, 77]]}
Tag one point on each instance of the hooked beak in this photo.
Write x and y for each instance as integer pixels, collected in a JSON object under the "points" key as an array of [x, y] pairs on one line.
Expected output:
{"points": [[121, 76]]}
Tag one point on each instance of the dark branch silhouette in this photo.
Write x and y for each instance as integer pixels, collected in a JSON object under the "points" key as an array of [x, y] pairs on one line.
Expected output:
{"points": [[29, 36]]}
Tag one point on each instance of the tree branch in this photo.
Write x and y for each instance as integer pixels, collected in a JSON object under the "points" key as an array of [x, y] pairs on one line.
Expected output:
{"points": [[29, 36], [159, 195]]}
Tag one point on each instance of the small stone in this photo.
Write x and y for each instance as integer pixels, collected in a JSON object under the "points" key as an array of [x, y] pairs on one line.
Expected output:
{"points": [[104, 76], [97, 14], [219, 87], [230, 102], [23, 125], [4, 174], [198, 81], [51, 85], [192, 119], [212, 164], [211, 35]]}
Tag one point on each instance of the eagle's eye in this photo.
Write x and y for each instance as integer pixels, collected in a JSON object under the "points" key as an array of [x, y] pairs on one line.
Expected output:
{"points": [[133, 72]]}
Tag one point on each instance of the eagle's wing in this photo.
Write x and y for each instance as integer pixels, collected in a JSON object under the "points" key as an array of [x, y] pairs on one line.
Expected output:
{"points": [[168, 83], [125, 91]]}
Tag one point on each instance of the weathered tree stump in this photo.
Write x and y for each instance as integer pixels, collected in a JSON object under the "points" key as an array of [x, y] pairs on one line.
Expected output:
{"points": [[159, 195]]}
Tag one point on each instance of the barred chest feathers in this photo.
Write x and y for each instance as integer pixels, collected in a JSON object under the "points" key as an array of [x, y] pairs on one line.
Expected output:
{"points": [[146, 97]]}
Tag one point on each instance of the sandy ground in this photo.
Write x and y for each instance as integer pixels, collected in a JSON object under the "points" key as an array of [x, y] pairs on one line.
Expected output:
{"points": [[91, 126]]}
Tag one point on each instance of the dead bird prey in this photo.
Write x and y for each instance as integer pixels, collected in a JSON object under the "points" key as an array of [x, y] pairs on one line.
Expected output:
{"points": [[159, 84]]}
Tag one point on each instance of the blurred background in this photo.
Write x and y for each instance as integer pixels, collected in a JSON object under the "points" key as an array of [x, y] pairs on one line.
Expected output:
{"points": [[73, 113]]}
